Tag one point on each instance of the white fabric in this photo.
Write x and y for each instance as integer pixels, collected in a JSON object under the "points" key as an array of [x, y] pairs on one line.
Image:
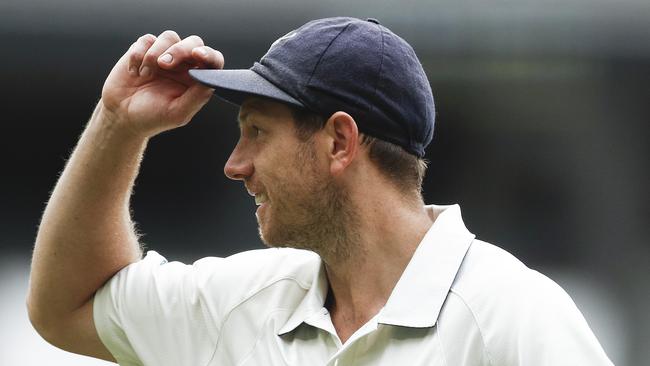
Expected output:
{"points": [[459, 302]]}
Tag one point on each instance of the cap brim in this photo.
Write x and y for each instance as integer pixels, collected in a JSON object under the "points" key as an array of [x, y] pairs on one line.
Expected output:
{"points": [[235, 86]]}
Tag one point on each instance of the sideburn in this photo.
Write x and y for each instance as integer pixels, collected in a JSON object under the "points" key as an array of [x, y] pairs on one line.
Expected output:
{"points": [[332, 228]]}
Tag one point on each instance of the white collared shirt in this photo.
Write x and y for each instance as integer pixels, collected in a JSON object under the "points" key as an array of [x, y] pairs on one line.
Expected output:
{"points": [[459, 302]]}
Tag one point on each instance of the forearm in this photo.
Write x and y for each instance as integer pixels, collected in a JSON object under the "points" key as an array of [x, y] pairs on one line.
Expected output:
{"points": [[86, 234]]}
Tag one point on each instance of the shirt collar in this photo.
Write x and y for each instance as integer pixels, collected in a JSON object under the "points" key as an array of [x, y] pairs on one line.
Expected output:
{"points": [[421, 291], [311, 304], [419, 294]]}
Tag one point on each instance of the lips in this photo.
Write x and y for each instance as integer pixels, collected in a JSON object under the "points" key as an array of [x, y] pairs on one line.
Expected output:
{"points": [[257, 192], [261, 198]]}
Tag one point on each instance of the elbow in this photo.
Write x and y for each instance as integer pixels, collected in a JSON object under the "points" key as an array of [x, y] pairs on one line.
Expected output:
{"points": [[37, 317], [42, 321]]}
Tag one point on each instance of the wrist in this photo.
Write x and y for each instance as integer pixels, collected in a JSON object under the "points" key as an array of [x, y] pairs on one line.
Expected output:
{"points": [[114, 125]]}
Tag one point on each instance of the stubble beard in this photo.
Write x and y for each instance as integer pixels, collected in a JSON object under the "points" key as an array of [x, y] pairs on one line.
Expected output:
{"points": [[319, 216]]}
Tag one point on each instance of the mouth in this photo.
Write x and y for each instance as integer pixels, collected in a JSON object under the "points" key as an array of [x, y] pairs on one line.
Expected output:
{"points": [[261, 198]]}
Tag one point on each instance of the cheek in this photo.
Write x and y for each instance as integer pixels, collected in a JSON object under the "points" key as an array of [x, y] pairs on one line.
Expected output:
{"points": [[274, 176], [285, 166], [277, 159]]}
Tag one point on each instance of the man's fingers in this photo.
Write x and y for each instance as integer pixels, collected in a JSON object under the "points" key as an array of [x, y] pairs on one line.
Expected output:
{"points": [[179, 53], [149, 62], [168, 51], [137, 52], [185, 107], [208, 58]]}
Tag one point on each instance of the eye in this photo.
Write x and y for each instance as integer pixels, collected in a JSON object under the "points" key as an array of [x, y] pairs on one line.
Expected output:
{"points": [[252, 131], [256, 130]]}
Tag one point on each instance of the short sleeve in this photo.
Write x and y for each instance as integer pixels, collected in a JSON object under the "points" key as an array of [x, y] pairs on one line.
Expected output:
{"points": [[538, 324], [154, 312]]}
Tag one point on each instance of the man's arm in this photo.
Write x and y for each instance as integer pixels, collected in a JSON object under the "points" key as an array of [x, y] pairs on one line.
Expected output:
{"points": [[86, 233]]}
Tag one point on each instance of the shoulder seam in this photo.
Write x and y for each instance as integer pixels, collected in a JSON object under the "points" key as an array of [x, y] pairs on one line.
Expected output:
{"points": [[478, 326], [261, 288], [245, 299]]}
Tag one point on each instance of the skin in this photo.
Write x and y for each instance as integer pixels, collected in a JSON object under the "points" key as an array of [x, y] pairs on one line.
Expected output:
{"points": [[324, 195], [303, 205], [343, 207], [86, 234]]}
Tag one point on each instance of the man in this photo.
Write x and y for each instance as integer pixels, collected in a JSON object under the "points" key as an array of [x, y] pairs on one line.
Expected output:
{"points": [[334, 122]]}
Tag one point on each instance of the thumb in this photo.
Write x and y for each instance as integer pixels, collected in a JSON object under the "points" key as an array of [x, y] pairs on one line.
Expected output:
{"points": [[187, 105]]}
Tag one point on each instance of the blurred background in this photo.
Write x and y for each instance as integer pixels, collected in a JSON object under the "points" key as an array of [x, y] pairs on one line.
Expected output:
{"points": [[542, 136]]}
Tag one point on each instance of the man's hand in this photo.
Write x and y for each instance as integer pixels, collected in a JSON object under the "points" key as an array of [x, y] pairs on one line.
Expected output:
{"points": [[149, 90]]}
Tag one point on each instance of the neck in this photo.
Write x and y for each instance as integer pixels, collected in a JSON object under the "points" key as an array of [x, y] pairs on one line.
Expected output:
{"points": [[387, 234]]}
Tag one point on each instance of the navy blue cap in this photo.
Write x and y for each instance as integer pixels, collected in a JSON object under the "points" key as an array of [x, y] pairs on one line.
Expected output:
{"points": [[341, 64]]}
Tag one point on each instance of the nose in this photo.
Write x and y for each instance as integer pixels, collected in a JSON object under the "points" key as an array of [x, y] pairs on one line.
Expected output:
{"points": [[239, 166]]}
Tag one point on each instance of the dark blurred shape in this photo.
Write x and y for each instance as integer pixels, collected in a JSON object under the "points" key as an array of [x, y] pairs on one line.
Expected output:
{"points": [[541, 136]]}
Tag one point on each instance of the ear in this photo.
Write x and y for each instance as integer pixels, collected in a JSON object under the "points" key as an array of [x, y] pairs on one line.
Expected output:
{"points": [[343, 138]]}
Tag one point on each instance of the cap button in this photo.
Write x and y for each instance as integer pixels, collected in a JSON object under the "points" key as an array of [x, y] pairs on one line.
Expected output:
{"points": [[372, 20]]}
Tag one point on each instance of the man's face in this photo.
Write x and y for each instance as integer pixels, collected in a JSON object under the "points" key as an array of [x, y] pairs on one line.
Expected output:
{"points": [[299, 204]]}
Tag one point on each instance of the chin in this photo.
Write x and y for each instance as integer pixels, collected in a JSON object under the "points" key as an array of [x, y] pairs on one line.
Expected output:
{"points": [[271, 238], [266, 236]]}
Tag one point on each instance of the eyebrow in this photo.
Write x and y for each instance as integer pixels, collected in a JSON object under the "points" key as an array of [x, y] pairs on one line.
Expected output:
{"points": [[254, 106], [241, 118]]}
